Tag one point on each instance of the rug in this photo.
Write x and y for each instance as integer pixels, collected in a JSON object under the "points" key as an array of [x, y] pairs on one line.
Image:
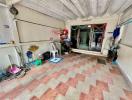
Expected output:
{"points": [[56, 60]]}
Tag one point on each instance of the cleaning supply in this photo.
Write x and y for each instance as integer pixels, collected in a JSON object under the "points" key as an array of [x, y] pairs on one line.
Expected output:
{"points": [[30, 56], [13, 69], [116, 32], [38, 62]]}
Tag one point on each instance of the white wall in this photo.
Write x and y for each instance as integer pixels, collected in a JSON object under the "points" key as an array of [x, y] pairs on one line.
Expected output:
{"points": [[4, 60], [33, 16], [111, 24], [38, 32], [125, 52], [31, 32], [125, 16], [125, 61], [6, 36]]}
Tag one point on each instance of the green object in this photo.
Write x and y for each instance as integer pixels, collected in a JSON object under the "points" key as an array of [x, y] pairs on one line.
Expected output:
{"points": [[38, 62]]}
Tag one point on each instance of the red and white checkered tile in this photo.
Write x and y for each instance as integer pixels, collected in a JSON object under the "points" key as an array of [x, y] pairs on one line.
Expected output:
{"points": [[77, 77]]}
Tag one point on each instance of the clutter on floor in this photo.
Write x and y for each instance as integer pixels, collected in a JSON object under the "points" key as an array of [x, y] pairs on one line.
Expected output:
{"points": [[65, 42], [35, 60], [38, 62], [32, 59], [46, 56], [13, 71]]}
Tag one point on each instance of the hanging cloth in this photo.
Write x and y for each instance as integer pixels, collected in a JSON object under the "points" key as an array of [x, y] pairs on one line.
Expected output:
{"points": [[116, 32]]}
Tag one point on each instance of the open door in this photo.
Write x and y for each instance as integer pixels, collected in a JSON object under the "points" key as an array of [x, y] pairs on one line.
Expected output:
{"points": [[88, 37]]}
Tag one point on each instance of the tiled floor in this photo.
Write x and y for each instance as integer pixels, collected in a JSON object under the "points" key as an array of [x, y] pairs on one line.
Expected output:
{"points": [[77, 77]]}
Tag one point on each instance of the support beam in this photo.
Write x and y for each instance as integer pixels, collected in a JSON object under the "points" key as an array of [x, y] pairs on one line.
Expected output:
{"points": [[45, 7], [10, 2], [42, 10], [116, 5], [85, 6], [126, 5], [127, 9], [71, 7], [3, 5], [107, 7], [88, 7], [93, 7], [53, 9], [78, 6], [102, 7]]}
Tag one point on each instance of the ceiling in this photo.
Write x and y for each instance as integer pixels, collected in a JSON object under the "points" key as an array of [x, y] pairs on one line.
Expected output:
{"points": [[2, 1], [73, 9]]}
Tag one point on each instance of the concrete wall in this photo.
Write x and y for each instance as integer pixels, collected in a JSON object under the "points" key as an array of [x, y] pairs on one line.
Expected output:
{"points": [[111, 24]]}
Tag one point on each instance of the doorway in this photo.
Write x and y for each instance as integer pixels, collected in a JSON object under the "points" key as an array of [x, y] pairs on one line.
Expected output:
{"points": [[88, 37]]}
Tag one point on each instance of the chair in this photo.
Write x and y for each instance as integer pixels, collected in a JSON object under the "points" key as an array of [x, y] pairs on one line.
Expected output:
{"points": [[53, 50]]}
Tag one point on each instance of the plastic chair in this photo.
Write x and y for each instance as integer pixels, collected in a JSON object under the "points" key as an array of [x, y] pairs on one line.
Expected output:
{"points": [[53, 50]]}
